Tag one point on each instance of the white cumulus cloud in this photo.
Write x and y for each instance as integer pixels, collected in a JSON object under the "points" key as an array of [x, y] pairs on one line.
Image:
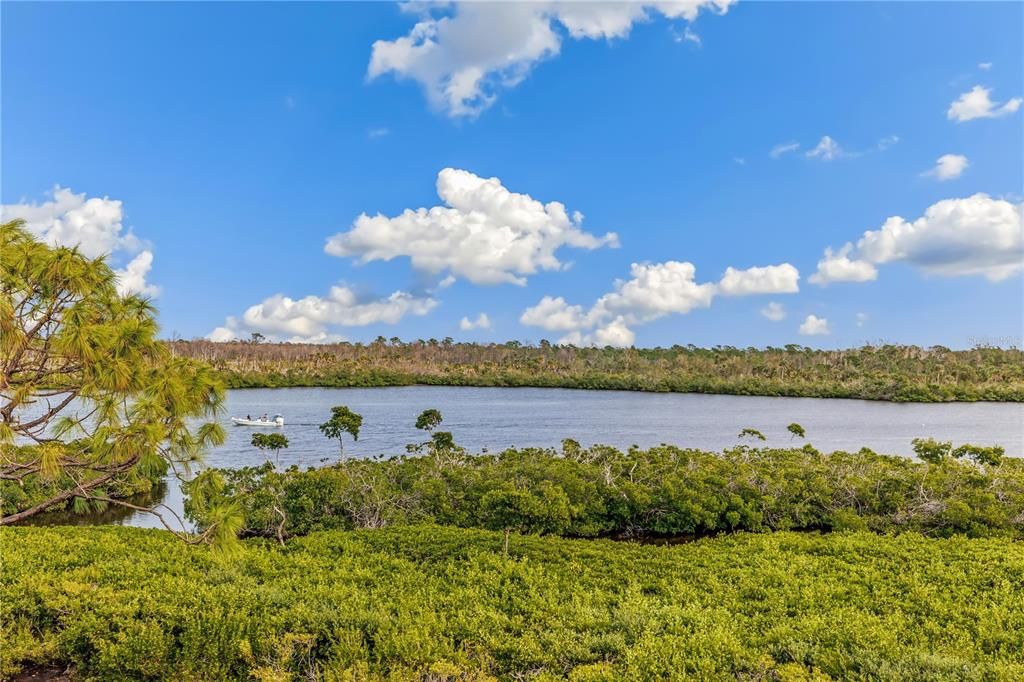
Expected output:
{"points": [[977, 103], [310, 319], [483, 233], [69, 219], [94, 225], [464, 54], [226, 333], [775, 312], [948, 167], [770, 279], [481, 322], [837, 266], [132, 278], [615, 333], [976, 235], [554, 314], [814, 326], [653, 291]]}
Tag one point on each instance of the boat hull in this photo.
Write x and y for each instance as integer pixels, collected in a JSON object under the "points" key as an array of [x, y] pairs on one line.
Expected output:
{"points": [[238, 421]]}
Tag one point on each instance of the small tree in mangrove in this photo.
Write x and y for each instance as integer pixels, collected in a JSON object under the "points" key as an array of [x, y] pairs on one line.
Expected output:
{"points": [[275, 442], [429, 420], [751, 433], [931, 450], [441, 446], [796, 430], [342, 421]]}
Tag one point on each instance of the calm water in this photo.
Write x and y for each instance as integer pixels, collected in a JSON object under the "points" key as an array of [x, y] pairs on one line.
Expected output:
{"points": [[497, 418]]}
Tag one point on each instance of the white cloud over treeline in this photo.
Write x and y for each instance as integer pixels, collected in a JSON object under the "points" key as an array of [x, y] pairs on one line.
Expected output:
{"points": [[95, 226], [976, 235]]}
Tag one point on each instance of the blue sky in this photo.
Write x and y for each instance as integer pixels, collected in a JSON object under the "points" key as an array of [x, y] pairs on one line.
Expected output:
{"points": [[239, 137]]}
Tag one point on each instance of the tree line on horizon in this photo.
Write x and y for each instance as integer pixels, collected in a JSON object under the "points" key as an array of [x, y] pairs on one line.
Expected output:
{"points": [[884, 372]]}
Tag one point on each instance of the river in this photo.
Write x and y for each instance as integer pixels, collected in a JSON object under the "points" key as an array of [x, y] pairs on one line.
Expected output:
{"points": [[497, 418]]}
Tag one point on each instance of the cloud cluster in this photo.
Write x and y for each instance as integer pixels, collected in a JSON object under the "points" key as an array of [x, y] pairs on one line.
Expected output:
{"points": [[310, 319], [771, 279], [464, 54], [92, 224], [484, 233], [653, 291], [948, 167], [977, 235], [977, 103], [814, 326], [555, 315], [837, 266], [481, 322], [827, 149], [614, 333]]}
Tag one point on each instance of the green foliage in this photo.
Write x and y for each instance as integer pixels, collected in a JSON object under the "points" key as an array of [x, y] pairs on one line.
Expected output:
{"points": [[430, 603], [545, 509], [932, 451], [935, 452], [571, 449], [121, 406], [441, 446], [796, 430], [666, 490], [270, 441], [220, 517], [990, 455], [342, 421], [897, 373], [751, 433], [429, 420]]}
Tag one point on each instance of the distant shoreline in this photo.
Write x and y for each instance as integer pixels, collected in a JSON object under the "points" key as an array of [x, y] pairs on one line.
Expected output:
{"points": [[230, 380], [901, 374]]}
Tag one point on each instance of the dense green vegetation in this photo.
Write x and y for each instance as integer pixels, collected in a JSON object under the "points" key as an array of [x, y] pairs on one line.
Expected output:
{"points": [[586, 492], [429, 603], [898, 373]]}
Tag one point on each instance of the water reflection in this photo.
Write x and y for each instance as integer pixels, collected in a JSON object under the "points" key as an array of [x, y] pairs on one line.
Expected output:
{"points": [[112, 515]]}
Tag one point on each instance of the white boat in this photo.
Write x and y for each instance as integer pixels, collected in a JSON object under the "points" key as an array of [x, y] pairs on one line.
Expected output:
{"points": [[276, 420]]}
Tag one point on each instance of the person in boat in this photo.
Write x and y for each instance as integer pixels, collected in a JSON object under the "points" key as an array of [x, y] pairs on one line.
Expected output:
{"points": [[248, 418], [264, 418]]}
